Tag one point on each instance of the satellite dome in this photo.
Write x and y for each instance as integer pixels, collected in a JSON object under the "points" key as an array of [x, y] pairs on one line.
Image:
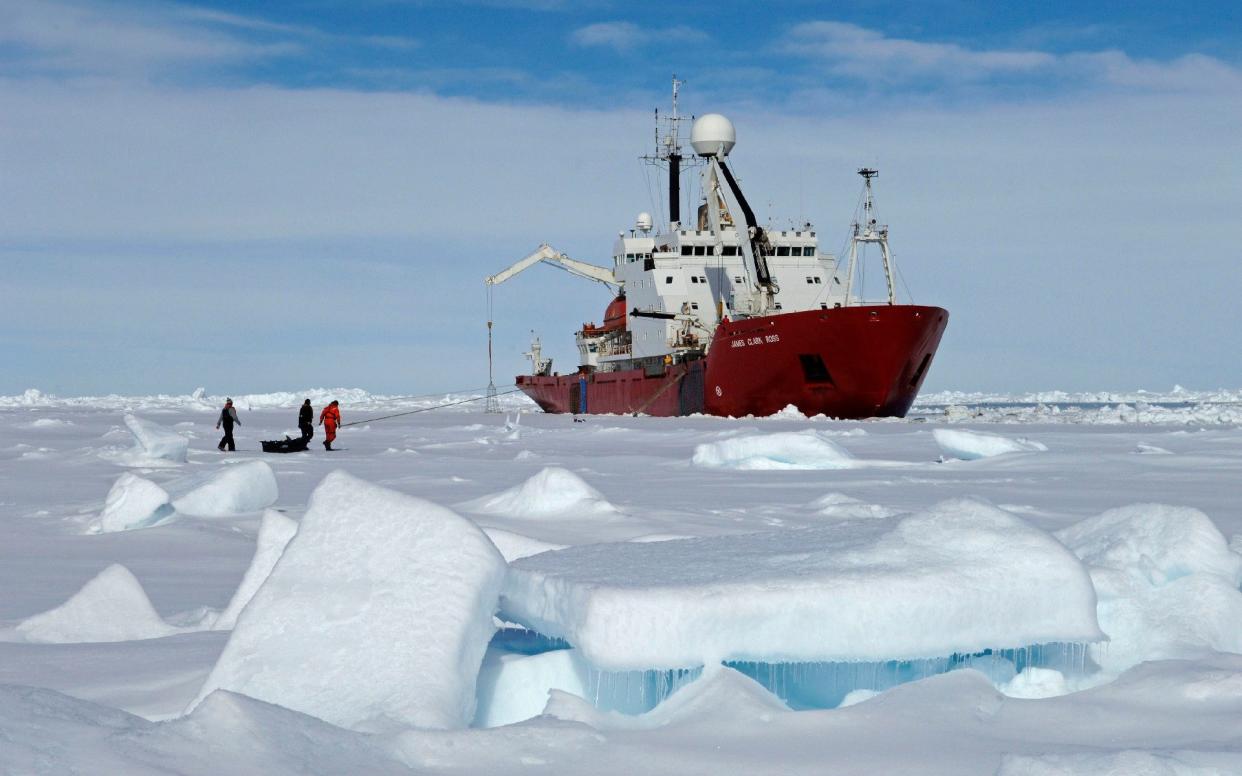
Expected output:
{"points": [[643, 222], [712, 133]]}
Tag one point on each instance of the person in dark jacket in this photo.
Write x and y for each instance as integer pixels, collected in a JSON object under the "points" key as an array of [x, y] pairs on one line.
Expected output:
{"points": [[228, 416], [306, 419]]}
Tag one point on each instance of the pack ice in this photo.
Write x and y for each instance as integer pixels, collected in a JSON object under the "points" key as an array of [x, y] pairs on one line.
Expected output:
{"points": [[961, 577], [133, 502], [1167, 583], [235, 489], [110, 607], [275, 531], [154, 445], [375, 617], [973, 445], [553, 492], [783, 450]]}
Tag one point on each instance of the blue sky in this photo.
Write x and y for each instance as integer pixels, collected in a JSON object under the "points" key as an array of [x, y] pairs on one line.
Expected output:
{"points": [[259, 197]]}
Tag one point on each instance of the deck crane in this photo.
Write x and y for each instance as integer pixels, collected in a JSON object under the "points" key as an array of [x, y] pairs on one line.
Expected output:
{"points": [[548, 255]]}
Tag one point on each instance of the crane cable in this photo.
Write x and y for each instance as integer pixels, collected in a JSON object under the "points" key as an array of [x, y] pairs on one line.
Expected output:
{"points": [[427, 409]]}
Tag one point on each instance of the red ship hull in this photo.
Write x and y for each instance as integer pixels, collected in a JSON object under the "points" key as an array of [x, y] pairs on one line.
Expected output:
{"points": [[848, 362]]}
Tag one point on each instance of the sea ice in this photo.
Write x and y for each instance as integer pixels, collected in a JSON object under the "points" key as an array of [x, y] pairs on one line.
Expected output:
{"points": [[1155, 541], [376, 617], [237, 488], [111, 607], [514, 687], [552, 493], [784, 450], [973, 445], [133, 502], [157, 442], [847, 507], [274, 534], [961, 577], [1132, 762], [719, 695], [1167, 583], [515, 545]]}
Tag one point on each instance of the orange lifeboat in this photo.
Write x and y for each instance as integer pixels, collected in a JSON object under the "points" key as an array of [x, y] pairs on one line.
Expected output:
{"points": [[615, 314]]}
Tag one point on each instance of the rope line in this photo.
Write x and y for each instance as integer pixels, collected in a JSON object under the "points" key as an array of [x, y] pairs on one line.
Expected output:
{"points": [[426, 409]]}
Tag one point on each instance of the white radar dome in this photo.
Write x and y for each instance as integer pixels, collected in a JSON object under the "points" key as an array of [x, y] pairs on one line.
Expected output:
{"points": [[643, 222], [712, 133]]}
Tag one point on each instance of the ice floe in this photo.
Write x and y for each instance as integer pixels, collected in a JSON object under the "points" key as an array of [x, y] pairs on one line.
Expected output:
{"points": [[236, 488], [1167, 583], [275, 531], [973, 445], [376, 617], [783, 450], [132, 502], [110, 607], [551, 493], [958, 578]]}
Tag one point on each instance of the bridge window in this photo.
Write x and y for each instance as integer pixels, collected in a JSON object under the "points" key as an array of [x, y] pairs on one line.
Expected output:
{"points": [[687, 250], [730, 250], [782, 250], [700, 250]]}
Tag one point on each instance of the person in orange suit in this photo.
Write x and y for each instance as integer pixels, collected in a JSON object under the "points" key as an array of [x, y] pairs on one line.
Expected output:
{"points": [[330, 418]]}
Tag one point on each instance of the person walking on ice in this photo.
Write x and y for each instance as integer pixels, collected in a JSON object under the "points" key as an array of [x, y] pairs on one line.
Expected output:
{"points": [[228, 416], [330, 418], [306, 418]]}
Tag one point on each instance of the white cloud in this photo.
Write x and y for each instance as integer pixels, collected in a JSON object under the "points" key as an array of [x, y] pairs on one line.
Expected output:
{"points": [[857, 51], [627, 36], [866, 54], [99, 39]]}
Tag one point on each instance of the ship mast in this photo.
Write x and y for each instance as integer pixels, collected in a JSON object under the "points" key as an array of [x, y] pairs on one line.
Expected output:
{"points": [[668, 151], [870, 232]]}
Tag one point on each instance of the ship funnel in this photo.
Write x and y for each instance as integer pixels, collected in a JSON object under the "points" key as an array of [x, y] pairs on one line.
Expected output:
{"points": [[712, 134], [643, 222]]}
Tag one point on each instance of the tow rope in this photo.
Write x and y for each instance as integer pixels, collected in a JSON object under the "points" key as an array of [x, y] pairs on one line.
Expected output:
{"points": [[426, 409]]}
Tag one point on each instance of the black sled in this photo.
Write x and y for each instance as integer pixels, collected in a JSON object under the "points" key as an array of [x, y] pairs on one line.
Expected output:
{"points": [[285, 445]]}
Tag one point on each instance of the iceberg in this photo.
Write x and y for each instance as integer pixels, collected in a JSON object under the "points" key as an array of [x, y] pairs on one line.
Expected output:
{"points": [[375, 618]]}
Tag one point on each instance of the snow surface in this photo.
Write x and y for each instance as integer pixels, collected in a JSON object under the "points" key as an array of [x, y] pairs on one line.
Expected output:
{"points": [[960, 577], [274, 534], [236, 489], [782, 450], [110, 607], [74, 706], [376, 616], [133, 502], [973, 445]]}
